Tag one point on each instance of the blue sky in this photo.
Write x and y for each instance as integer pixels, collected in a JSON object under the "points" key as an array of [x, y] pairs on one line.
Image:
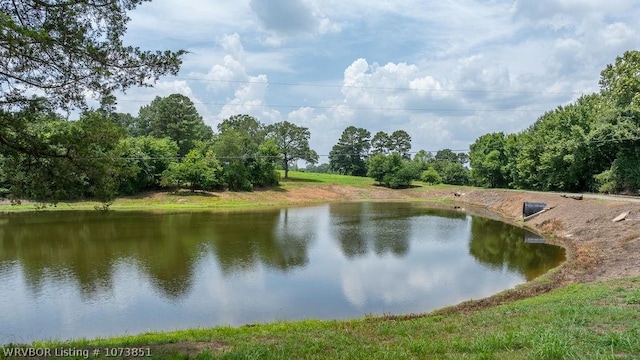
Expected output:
{"points": [[445, 71]]}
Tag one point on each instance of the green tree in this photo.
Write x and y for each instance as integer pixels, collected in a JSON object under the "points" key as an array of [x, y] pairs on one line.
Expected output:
{"points": [[149, 157], [200, 170], [392, 171], [431, 176], [422, 159], [618, 136], [130, 124], [447, 155], [563, 149], [590, 144], [489, 161], [177, 118], [348, 156], [292, 142], [400, 142], [620, 85], [248, 158], [321, 168], [85, 161], [452, 173], [377, 167], [380, 143], [64, 50], [620, 82]]}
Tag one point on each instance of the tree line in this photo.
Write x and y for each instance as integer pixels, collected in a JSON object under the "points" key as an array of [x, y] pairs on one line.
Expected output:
{"points": [[57, 52], [387, 159], [590, 145], [167, 146]]}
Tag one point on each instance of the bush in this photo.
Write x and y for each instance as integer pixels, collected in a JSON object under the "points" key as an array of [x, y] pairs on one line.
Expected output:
{"points": [[199, 170], [431, 176], [391, 170]]}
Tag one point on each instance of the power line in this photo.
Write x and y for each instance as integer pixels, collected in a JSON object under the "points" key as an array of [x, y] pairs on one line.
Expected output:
{"points": [[352, 108], [377, 87], [242, 157]]}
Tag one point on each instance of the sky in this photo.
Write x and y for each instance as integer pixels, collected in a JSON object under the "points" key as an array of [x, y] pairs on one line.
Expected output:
{"points": [[445, 71]]}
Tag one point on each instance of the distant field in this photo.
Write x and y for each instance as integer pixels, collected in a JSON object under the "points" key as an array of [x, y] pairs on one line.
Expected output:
{"points": [[297, 178]]}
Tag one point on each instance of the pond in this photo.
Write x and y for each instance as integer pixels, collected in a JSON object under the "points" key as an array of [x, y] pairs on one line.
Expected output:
{"points": [[87, 274]]}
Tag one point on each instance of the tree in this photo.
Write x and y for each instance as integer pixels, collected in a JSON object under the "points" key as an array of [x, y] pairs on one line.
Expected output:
{"points": [[447, 155], [380, 143], [590, 144], [177, 118], [566, 147], [377, 167], [292, 142], [321, 168], [431, 176], [489, 161], [199, 169], [66, 49], [85, 161], [620, 82], [422, 159], [453, 173], [400, 142], [130, 124], [392, 171], [451, 167], [348, 156], [248, 158], [149, 157]]}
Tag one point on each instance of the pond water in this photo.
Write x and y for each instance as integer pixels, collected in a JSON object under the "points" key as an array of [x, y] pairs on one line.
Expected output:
{"points": [[86, 274]]}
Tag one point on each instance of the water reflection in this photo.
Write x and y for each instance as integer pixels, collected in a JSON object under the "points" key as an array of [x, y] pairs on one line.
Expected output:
{"points": [[492, 243], [133, 272]]}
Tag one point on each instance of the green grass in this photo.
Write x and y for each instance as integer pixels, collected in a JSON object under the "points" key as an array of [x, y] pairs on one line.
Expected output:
{"points": [[298, 177], [214, 200], [591, 321]]}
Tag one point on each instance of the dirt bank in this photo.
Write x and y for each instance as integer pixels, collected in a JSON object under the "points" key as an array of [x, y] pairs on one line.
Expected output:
{"points": [[598, 249]]}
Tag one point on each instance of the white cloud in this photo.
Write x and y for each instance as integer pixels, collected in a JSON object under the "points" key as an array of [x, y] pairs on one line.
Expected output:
{"points": [[445, 71]]}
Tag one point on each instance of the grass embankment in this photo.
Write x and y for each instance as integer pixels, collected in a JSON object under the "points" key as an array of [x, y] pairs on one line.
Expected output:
{"points": [[586, 321], [291, 191]]}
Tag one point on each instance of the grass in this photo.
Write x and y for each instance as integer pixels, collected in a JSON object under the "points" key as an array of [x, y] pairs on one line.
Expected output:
{"points": [[589, 321], [211, 201]]}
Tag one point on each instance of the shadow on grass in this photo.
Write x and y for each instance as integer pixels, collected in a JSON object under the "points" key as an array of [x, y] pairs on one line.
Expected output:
{"points": [[398, 188], [276, 188], [180, 192], [186, 192], [300, 180]]}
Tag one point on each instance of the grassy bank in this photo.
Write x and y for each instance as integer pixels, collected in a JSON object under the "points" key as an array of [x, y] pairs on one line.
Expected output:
{"points": [[282, 195], [587, 321]]}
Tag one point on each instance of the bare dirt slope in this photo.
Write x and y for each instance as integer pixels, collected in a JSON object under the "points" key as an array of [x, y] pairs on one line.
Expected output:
{"points": [[597, 247]]}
